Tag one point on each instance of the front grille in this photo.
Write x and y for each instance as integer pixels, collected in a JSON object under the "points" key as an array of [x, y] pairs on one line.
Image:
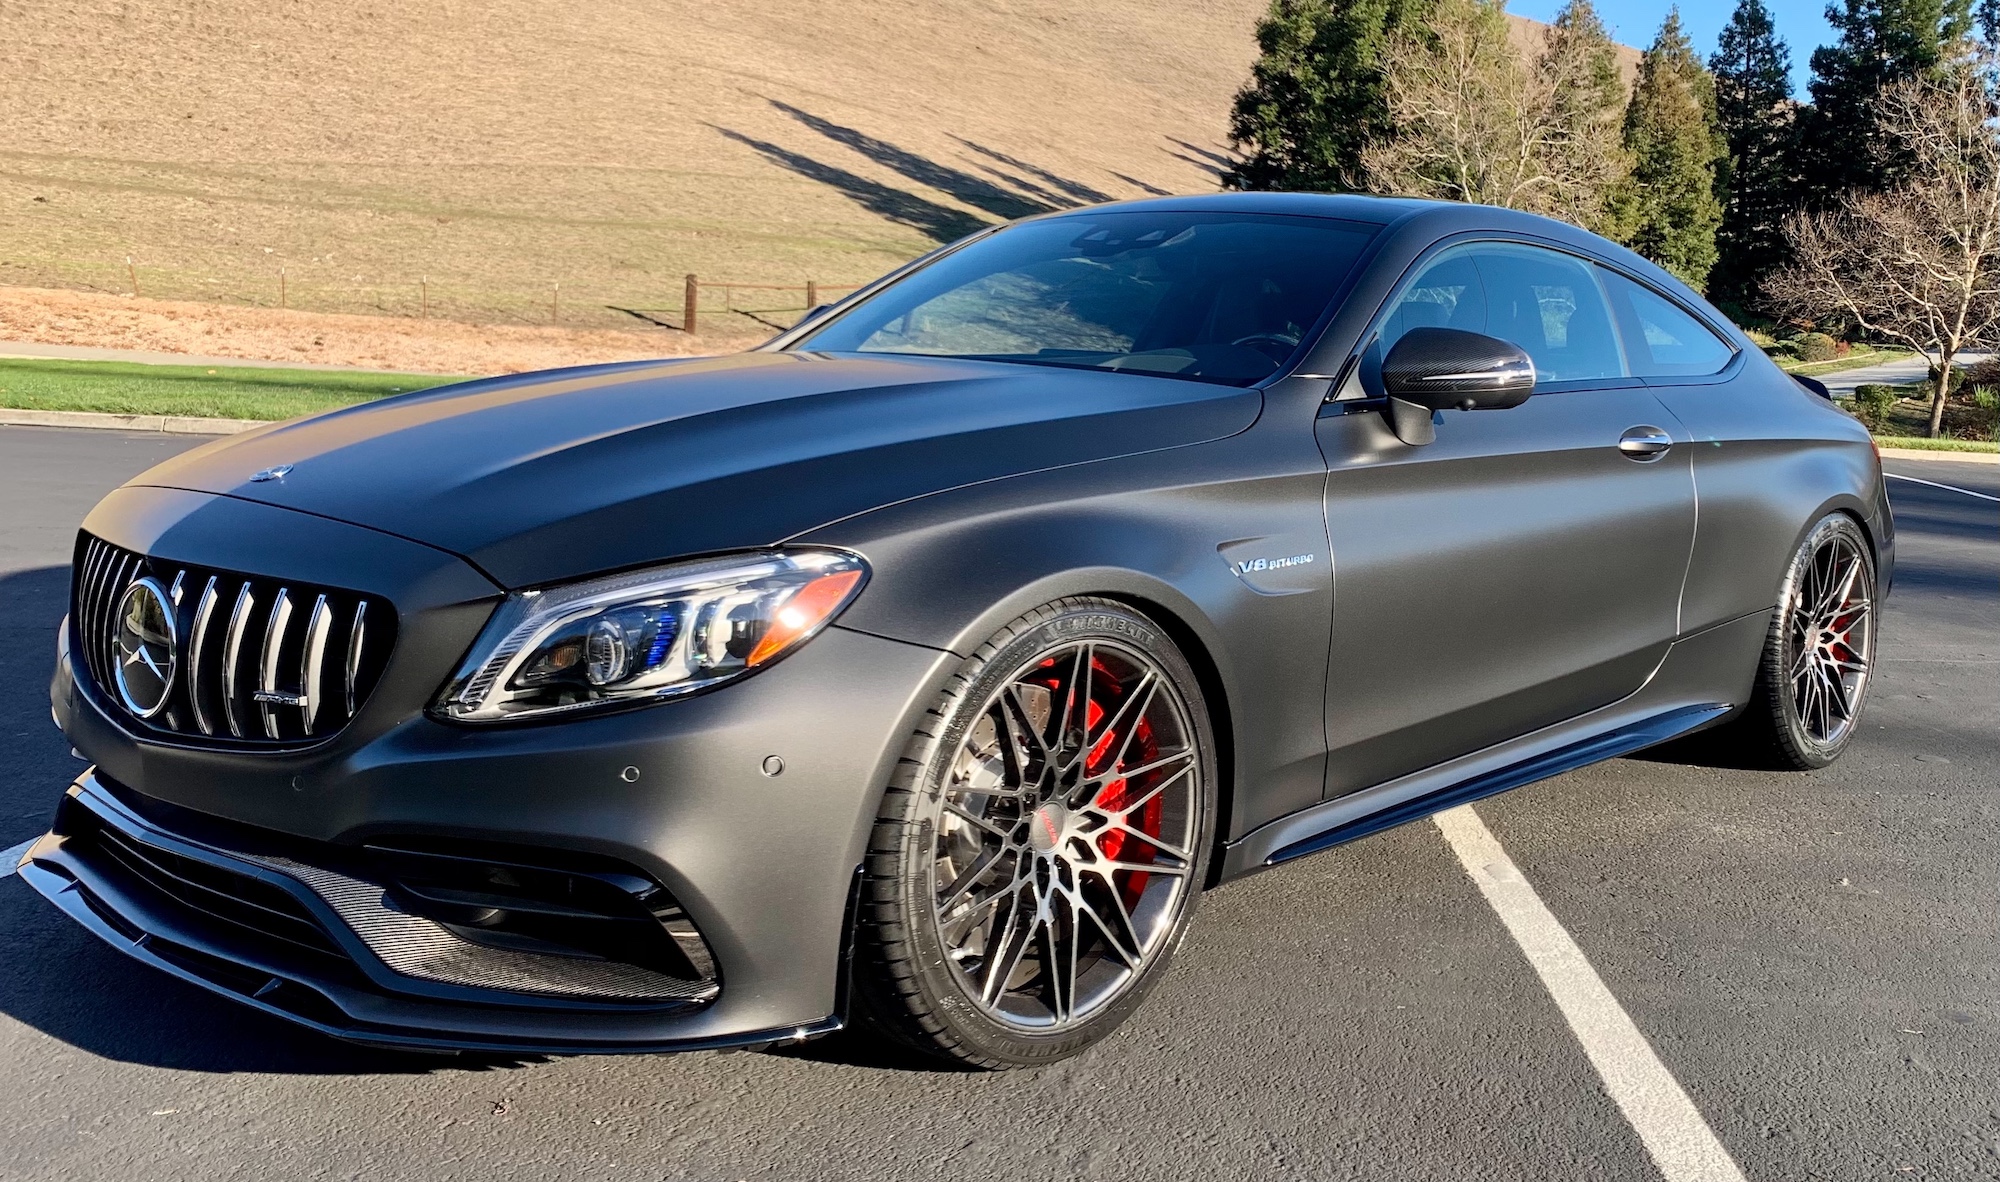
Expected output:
{"points": [[257, 661]]}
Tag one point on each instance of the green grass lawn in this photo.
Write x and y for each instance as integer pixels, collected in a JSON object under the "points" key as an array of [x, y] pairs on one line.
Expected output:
{"points": [[1855, 360], [1920, 443], [219, 392]]}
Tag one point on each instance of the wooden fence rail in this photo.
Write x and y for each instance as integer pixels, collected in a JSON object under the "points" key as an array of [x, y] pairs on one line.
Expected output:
{"points": [[691, 308]]}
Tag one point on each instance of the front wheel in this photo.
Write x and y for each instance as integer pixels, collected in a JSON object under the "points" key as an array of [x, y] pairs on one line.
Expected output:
{"points": [[1037, 858], [1820, 650]]}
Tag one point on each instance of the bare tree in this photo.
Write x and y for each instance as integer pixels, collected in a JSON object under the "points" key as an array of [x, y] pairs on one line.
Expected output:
{"points": [[1918, 264], [1476, 122]]}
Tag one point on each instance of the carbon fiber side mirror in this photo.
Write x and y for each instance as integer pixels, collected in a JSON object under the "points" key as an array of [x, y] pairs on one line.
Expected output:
{"points": [[1433, 369]]}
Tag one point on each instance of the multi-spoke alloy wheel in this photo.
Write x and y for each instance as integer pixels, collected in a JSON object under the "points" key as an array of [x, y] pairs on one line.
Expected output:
{"points": [[1821, 647], [1064, 843], [1036, 867], [1830, 638]]}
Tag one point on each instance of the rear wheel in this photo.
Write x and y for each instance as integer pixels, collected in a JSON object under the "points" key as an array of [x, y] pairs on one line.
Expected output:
{"points": [[1037, 859], [1820, 651]]}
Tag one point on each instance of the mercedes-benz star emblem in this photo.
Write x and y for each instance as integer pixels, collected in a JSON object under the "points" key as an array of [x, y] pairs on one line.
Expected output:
{"points": [[277, 473], [147, 648]]}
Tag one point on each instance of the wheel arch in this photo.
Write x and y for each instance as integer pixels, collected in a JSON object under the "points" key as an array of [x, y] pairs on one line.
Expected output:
{"points": [[1845, 505], [1184, 623]]}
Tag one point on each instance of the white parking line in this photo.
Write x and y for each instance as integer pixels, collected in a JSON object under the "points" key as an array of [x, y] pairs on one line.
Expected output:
{"points": [[1682, 1145], [12, 857], [1946, 487]]}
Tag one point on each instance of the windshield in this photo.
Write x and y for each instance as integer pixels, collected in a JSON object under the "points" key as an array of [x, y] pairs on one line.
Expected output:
{"points": [[1216, 297]]}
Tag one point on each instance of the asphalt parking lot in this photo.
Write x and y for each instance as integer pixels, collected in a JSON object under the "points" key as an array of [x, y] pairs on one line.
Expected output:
{"points": [[1814, 958]]}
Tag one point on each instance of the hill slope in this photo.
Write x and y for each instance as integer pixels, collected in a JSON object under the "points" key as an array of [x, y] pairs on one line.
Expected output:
{"points": [[500, 148], [511, 160]]}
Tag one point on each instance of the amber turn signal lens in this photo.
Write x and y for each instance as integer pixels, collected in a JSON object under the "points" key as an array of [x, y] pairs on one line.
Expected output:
{"points": [[805, 611]]}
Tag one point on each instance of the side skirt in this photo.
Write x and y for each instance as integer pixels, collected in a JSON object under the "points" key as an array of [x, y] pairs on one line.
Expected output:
{"points": [[1622, 741]]}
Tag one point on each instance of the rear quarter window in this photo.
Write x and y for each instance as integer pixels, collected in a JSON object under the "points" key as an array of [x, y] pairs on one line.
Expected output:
{"points": [[1661, 338]]}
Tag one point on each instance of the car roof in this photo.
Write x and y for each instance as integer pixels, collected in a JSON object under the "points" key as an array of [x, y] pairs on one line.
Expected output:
{"points": [[1352, 207], [1419, 219]]}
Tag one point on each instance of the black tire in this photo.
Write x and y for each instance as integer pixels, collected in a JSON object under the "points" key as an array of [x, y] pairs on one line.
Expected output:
{"points": [[921, 975], [1807, 699]]}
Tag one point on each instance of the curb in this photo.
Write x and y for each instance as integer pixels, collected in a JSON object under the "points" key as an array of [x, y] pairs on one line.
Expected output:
{"points": [[170, 424], [1919, 453]]}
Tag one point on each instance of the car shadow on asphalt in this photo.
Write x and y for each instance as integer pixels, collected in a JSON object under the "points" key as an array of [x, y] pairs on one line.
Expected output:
{"points": [[59, 980]]}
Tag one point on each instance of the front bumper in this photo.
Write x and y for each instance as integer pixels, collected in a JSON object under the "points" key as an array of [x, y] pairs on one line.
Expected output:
{"points": [[239, 924], [762, 866]]}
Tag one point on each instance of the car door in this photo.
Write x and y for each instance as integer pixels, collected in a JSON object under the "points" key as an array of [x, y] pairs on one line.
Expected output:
{"points": [[1520, 570]]}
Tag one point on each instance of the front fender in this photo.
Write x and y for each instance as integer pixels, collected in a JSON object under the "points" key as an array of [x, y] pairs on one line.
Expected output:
{"points": [[1165, 532]]}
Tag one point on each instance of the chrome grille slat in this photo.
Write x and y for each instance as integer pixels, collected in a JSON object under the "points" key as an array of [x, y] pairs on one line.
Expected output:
{"points": [[90, 606], [98, 640], [267, 660], [312, 663], [197, 678], [355, 640], [121, 577], [335, 643], [232, 658]]}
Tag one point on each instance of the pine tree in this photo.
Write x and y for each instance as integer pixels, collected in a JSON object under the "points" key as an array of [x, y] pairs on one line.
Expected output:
{"points": [[1882, 42], [1315, 99], [1753, 104], [1670, 131]]}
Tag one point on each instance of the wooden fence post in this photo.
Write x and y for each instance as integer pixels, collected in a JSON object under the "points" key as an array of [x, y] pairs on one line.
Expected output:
{"points": [[688, 308], [132, 273], [424, 296], [812, 294], [281, 287]]}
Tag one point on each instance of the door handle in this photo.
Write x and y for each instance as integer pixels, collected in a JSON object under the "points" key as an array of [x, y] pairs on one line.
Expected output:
{"points": [[1645, 443]]}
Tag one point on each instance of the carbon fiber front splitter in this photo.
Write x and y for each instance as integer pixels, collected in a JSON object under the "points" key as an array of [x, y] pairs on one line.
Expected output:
{"points": [[323, 995]]}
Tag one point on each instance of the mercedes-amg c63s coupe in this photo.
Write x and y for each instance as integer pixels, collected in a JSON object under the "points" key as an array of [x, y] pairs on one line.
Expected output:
{"points": [[918, 670]]}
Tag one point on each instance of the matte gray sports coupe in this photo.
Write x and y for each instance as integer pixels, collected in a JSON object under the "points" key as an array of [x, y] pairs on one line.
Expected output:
{"points": [[918, 670]]}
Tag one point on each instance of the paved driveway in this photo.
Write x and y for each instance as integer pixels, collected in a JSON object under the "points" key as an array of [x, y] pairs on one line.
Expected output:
{"points": [[1811, 957]]}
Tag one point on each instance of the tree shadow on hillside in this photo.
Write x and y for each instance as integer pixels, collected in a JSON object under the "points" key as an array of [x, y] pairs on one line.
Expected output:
{"points": [[940, 223], [1143, 187], [1011, 188], [1209, 161], [975, 191], [1066, 191]]}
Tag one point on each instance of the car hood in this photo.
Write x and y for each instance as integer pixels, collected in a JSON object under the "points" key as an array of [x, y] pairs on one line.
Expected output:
{"points": [[548, 476]]}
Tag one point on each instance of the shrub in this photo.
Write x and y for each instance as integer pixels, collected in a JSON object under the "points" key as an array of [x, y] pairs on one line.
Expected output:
{"points": [[1972, 417], [1815, 346], [1983, 374], [1872, 403]]}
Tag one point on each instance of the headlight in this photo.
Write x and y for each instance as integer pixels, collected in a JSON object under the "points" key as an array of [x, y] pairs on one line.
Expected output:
{"points": [[647, 635]]}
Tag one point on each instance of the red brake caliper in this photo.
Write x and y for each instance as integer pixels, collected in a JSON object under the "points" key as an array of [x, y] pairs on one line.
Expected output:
{"points": [[1114, 843]]}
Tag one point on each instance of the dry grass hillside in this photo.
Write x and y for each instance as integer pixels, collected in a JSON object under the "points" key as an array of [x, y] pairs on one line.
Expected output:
{"points": [[518, 162], [501, 148]]}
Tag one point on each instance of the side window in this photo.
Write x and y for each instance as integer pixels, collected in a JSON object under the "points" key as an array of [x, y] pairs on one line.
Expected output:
{"points": [[1446, 294], [1549, 304], [1660, 339]]}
